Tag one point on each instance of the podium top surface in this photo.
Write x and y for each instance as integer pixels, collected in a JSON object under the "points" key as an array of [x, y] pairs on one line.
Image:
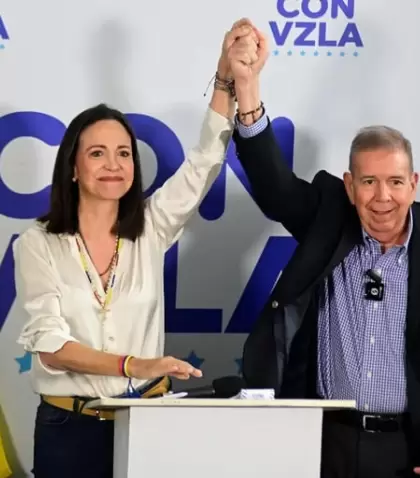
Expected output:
{"points": [[118, 403]]}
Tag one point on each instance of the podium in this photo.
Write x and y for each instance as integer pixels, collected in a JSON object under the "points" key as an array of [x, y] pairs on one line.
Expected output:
{"points": [[223, 438]]}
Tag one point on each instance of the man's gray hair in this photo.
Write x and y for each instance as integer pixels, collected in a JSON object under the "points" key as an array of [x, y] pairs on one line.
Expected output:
{"points": [[380, 137]]}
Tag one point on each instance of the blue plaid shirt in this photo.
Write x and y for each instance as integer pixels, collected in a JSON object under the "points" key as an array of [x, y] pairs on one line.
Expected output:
{"points": [[361, 342]]}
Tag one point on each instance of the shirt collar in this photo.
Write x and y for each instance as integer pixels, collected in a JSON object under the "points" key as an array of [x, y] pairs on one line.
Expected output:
{"points": [[366, 236]]}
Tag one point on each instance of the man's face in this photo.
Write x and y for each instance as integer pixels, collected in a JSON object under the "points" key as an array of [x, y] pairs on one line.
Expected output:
{"points": [[382, 187]]}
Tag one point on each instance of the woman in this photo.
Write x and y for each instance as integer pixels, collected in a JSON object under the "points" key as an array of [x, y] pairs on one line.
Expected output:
{"points": [[90, 277]]}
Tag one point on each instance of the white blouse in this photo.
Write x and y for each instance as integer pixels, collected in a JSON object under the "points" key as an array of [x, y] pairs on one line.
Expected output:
{"points": [[58, 301]]}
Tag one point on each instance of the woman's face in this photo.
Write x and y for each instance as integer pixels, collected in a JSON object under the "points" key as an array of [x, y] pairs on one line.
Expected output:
{"points": [[104, 166]]}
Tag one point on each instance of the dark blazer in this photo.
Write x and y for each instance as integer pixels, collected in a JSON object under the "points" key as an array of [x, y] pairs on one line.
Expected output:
{"points": [[280, 351]]}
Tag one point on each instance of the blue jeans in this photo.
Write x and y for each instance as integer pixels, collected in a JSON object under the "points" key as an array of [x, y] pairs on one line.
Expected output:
{"points": [[69, 445]]}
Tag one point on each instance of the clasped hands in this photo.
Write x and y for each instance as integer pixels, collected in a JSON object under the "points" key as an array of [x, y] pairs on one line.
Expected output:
{"points": [[244, 53]]}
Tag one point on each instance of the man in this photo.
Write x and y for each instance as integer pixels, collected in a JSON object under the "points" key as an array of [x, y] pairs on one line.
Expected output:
{"points": [[343, 320]]}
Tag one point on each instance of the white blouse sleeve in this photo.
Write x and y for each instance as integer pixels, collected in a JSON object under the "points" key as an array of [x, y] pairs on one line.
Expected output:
{"points": [[170, 206], [36, 289]]}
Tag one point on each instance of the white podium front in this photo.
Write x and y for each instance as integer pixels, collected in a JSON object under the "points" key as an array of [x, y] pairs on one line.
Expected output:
{"points": [[208, 438]]}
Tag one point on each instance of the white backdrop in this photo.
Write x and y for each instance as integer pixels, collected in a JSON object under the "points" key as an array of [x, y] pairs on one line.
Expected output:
{"points": [[328, 75]]}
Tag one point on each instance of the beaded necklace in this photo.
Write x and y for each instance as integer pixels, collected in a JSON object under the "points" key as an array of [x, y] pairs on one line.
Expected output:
{"points": [[111, 279]]}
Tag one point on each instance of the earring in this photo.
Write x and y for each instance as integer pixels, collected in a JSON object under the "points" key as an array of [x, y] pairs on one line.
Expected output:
{"points": [[74, 179]]}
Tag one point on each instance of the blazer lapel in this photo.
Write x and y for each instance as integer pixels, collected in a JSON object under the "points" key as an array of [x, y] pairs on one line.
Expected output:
{"points": [[352, 235], [290, 285]]}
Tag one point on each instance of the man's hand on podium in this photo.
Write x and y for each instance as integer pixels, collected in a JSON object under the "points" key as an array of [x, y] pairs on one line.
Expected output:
{"points": [[169, 366]]}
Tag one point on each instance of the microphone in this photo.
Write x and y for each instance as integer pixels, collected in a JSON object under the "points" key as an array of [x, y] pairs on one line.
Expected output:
{"points": [[374, 276], [375, 288], [223, 387]]}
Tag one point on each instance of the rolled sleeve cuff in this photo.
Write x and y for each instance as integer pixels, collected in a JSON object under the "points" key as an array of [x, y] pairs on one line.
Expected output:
{"points": [[51, 342], [47, 343]]}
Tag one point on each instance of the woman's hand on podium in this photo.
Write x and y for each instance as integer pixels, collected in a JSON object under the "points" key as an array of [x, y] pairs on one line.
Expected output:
{"points": [[154, 368]]}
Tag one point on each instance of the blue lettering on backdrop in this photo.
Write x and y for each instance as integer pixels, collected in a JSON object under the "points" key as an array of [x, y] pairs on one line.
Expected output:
{"points": [[315, 33], [7, 282], [30, 124], [170, 154], [3, 31]]}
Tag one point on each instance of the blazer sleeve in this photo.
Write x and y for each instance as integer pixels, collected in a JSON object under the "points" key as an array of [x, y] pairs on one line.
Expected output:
{"points": [[278, 192], [170, 206]]}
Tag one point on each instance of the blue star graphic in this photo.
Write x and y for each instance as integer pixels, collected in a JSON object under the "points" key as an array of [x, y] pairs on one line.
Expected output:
{"points": [[316, 53], [342, 53], [276, 52], [302, 53], [24, 362], [329, 54], [238, 362], [355, 53], [194, 360], [289, 53], [1, 47]]}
